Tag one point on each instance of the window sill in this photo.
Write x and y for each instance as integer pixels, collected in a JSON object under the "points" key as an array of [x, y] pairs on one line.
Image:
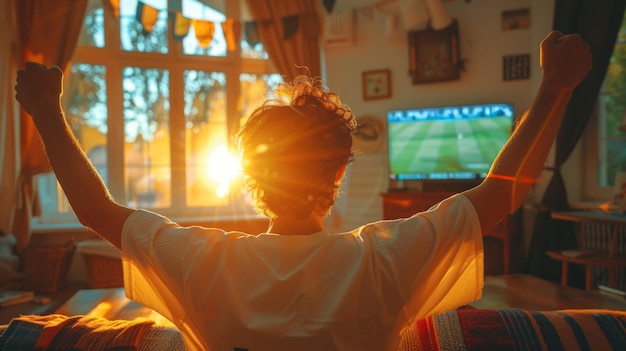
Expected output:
{"points": [[225, 222], [585, 205]]}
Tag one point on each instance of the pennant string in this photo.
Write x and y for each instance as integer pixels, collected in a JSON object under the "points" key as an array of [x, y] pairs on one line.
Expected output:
{"points": [[180, 25], [147, 16], [232, 32], [329, 5], [290, 26], [204, 32], [252, 33]]}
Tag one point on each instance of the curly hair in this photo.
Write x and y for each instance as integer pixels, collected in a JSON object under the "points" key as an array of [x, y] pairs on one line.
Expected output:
{"points": [[293, 146]]}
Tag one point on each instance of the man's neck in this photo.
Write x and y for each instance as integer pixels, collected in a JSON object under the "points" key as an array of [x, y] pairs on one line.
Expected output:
{"points": [[293, 226]]}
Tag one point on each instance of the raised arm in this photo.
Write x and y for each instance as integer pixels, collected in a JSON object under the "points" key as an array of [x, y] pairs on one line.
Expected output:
{"points": [[39, 91], [565, 61]]}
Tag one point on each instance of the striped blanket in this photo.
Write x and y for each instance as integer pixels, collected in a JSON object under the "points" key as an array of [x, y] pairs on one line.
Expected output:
{"points": [[57, 332], [463, 329], [516, 329]]}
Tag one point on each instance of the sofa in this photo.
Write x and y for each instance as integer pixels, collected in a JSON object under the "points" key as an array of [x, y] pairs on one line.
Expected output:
{"points": [[460, 329]]}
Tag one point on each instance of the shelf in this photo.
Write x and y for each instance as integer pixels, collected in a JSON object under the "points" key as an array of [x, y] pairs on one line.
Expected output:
{"points": [[611, 260], [599, 259]]}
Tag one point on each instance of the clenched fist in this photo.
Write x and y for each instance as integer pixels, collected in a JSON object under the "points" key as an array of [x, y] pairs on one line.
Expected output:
{"points": [[39, 89], [565, 60]]}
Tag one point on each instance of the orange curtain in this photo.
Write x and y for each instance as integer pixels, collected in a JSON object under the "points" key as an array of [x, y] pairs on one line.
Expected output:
{"points": [[8, 117], [47, 33], [302, 49]]}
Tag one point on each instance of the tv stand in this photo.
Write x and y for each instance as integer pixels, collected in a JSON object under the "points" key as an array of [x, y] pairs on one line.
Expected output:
{"points": [[449, 186], [403, 204]]}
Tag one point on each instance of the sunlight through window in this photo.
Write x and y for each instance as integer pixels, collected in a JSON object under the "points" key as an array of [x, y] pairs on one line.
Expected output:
{"points": [[223, 167]]}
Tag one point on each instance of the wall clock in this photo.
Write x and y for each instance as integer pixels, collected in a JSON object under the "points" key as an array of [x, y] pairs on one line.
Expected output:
{"points": [[368, 136]]}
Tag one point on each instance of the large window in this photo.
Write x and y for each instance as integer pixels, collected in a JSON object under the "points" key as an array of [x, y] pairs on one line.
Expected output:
{"points": [[605, 141], [153, 95]]}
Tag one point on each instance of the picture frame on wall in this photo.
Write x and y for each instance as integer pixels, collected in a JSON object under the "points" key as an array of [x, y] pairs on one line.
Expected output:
{"points": [[434, 54], [516, 19], [376, 84]]}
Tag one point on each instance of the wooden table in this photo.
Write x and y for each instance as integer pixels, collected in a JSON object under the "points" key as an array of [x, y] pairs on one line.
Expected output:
{"points": [[500, 292], [611, 260]]}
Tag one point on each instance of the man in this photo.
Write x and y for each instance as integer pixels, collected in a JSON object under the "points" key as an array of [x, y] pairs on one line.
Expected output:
{"points": [[298, 287]]}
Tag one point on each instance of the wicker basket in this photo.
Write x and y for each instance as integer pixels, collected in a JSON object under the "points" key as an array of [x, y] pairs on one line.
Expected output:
{"points": [[45, 268], [103, 272], [103, 264]]}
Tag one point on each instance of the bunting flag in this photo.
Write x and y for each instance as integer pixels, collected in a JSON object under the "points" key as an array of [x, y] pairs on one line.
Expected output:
{"points": [[180, 25], [329, 5], [290, 26], [252, 33], [232, 33], [147, 16], [204, 32]]}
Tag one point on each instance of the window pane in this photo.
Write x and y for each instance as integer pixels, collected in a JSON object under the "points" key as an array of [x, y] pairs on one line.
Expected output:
{"points": [[251, 46], [206, 36], [254, 88], [84, 102], [206, 136], [147, 35], [613, 115], [52, 200], [147, 137], [92, 32]]}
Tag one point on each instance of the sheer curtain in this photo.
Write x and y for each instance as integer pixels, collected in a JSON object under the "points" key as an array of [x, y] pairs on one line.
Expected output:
{"points": [[47, 33], [598, 22], [300, 21]]}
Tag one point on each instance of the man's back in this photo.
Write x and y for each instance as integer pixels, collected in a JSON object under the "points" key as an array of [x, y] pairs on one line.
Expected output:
{"points": [[320, 291]]}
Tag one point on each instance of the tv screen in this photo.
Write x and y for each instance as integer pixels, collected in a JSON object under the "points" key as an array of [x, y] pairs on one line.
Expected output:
{"points": [[446, 143]]}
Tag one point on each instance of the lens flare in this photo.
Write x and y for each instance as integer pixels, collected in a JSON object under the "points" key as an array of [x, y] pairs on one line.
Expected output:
{"points": [[223, 167]]}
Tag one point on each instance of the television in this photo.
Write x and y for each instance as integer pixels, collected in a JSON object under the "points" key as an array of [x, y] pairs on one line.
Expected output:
{"points": [[447, 143]]}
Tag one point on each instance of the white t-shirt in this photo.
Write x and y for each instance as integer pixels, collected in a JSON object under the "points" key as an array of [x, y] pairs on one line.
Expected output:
{"points": [[350, 291]]}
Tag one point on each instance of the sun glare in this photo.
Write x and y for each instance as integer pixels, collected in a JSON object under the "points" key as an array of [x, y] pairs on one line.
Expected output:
{"points": [[223, 167]]}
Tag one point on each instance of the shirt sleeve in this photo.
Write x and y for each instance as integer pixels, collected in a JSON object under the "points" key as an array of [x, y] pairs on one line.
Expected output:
{"points": [[429, 263], [157, 258]]}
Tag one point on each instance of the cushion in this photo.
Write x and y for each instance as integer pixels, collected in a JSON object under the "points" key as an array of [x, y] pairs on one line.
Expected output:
{"points": [[517, 329], [57, 332]]}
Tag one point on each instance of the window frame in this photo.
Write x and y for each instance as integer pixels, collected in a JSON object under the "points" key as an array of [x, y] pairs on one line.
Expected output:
{"points": [[594, 155], [115, 58], [592, 160]]}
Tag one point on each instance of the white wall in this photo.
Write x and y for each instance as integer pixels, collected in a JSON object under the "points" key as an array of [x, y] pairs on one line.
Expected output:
{"points": [[482, 43]]}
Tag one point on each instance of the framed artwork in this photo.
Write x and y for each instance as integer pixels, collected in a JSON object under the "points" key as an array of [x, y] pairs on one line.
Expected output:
{"points": [[516, 19], [369, 135], [516, 67], [376, 84], [434, 54]]}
